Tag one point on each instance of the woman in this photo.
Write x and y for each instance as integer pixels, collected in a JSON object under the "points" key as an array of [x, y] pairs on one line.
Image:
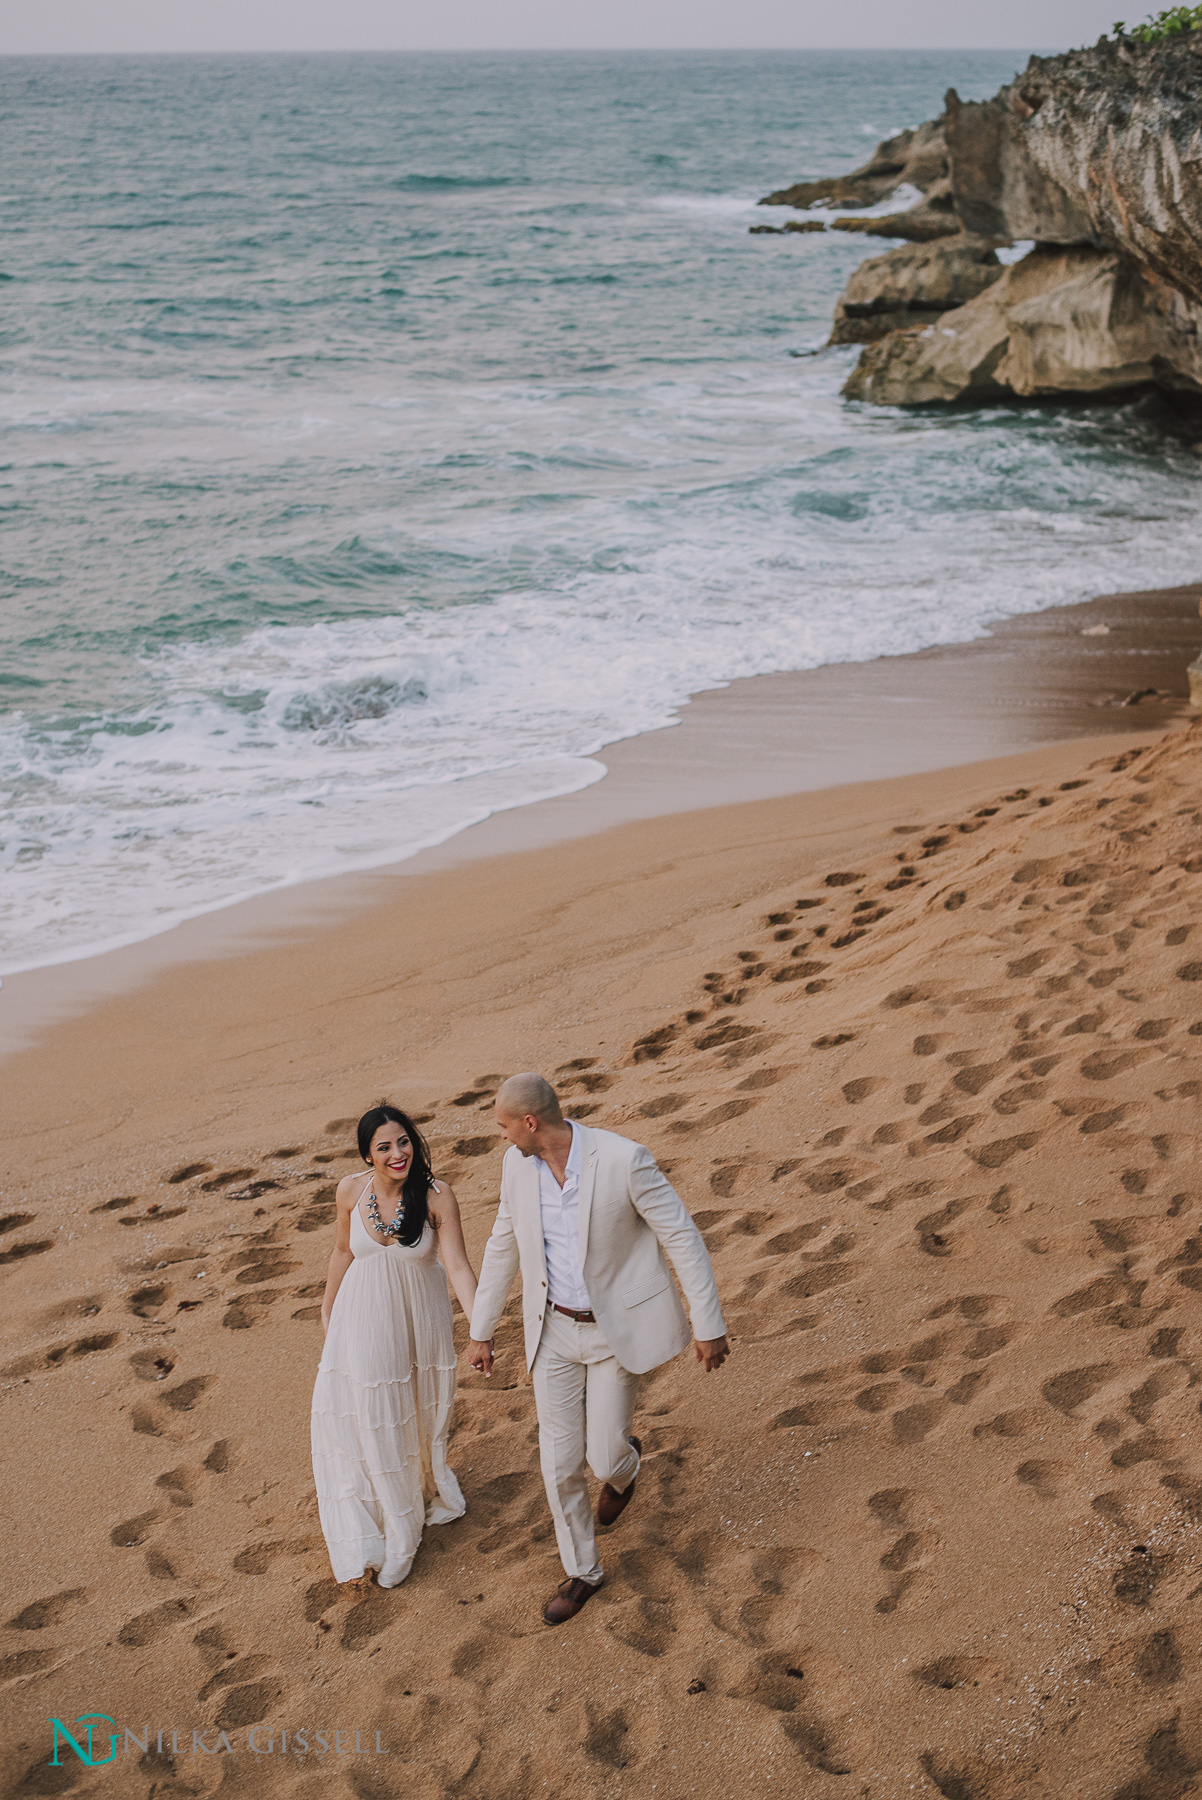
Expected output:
{"points": [[386, 1385]]}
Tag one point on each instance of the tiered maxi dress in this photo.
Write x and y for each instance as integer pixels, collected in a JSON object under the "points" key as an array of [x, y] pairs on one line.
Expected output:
{"points": [[382, 1408]]}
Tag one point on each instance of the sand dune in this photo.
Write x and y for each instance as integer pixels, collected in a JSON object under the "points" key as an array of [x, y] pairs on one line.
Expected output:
{"points": [[932, 1531]]}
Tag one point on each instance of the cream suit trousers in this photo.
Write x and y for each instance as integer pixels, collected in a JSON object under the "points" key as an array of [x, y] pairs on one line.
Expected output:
{"points": [[585, 1401]]}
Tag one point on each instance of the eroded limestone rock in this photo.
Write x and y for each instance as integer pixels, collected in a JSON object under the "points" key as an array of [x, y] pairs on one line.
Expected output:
{"points": [[1062, 321], [912, 286], [916, 158]]}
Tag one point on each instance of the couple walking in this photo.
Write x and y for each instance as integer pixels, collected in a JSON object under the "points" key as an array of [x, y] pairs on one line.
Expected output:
{"points": [[589, 1219]]}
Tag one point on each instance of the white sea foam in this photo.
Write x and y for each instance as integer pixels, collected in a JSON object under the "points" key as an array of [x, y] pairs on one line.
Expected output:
{"points": [[292, 751]]}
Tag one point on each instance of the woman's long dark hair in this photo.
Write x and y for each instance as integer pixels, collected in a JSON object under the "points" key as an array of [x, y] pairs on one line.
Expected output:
{"points": [[415, 1192]]}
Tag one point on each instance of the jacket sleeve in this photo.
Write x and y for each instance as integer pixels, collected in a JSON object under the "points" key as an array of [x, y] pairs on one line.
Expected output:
{"points": [[656, 1200], [497, 1271]]}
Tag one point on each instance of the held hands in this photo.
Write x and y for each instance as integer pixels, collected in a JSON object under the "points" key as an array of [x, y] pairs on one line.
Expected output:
{"points": [[711, 1352]]}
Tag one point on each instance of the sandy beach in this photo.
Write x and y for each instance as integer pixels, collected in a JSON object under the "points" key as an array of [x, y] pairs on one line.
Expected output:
{"points": [[920, 1052]]}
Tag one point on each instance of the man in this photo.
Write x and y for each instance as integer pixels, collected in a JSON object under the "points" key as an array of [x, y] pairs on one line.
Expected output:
{"points": [[589, 1217]]}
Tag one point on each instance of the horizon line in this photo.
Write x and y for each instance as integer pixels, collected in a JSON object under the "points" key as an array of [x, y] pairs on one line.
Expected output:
{"points": [[573, 50]]}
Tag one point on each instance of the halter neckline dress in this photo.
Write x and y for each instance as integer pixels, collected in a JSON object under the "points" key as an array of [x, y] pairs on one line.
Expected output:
{"points": [[382, 1407]]}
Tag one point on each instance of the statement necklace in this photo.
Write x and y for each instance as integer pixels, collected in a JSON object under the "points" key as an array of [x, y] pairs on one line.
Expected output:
{"points": [[393, 1228]]}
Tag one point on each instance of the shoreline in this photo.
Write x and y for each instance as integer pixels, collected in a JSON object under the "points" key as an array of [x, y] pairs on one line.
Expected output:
{"points": [[1038, 679]]}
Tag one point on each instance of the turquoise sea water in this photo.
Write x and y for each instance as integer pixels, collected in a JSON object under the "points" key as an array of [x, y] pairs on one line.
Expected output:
{"points": [[384, 435]]}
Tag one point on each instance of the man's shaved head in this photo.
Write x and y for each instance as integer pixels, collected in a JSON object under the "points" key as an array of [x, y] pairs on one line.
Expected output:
{"points": [[522, 1095]]}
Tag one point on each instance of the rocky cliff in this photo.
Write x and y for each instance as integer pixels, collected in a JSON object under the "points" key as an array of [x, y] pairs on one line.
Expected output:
{"points": [[1097, 157], [1100, 147], [913, 159]]}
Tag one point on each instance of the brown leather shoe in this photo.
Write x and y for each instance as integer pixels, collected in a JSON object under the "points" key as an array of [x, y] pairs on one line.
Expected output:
{"points": [[610, 1504], [568, 1600]]}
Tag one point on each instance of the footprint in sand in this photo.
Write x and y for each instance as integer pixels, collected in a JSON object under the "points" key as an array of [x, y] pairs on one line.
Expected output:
{"points": [[1023, 1421], [55, 1355], [654, 1044], [132, 1532], [662, 1105], [245, 1684], [369, 1618], [1135, 1581], [952, 1672], [227, 1176], [256, 1559], [319, 1210], [729, 1176], [967, 1387], [179, 1485], [934, 1238], [644, 1625], [150, 1300], [52, 1611], [24, 1662], [911, 1551], [1047, 1479], [762, 1601], [980, 1778], [259, 1265], [862, 1088], [1148, 1446], [251, 1308], [19, 1252], [878, 1398], [1162, 1383], [184, 1396], [911, 1512], [151, 1365], [147, 1627], [150, 1419], [1072, 1387], [319, 1597]]}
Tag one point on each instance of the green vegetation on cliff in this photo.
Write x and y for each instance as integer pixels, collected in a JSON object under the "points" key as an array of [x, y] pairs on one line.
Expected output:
{"points": [[1166, 23]]}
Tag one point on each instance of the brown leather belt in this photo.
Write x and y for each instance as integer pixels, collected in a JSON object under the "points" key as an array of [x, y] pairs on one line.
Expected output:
{"points": [[581, 1318]]}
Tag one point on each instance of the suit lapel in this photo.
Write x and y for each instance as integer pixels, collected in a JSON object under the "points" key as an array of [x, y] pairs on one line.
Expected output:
{"points": [[531, 1215], [588, 1176]]}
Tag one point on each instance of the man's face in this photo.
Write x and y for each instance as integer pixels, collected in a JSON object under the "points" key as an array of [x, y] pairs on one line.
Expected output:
{"points": [[519, 1132]]}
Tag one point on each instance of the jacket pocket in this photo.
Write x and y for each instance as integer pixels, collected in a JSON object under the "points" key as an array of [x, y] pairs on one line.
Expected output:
{"points": [[647, 1290]]}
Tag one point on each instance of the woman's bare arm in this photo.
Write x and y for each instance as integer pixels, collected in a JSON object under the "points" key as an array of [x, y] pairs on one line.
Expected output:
{"points": [[444, 1216], [342, 1256]]}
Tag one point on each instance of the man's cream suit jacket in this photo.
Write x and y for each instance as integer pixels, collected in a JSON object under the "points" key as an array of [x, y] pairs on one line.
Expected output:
{"points": [[630, 1215]]}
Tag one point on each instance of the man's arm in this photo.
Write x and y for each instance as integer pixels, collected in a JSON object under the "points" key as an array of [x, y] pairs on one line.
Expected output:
{"points": [[656, 1200], [497, 1271]]}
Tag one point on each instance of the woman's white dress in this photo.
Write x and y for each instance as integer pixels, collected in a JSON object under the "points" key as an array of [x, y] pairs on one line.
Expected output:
{"points": [[382, 1408]]}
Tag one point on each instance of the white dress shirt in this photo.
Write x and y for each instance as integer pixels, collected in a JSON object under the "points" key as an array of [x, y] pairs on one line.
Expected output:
{"points": [[561, 1232]]}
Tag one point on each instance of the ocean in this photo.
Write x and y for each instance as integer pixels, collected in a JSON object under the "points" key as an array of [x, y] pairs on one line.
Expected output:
{"points": [[385, 435]]}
